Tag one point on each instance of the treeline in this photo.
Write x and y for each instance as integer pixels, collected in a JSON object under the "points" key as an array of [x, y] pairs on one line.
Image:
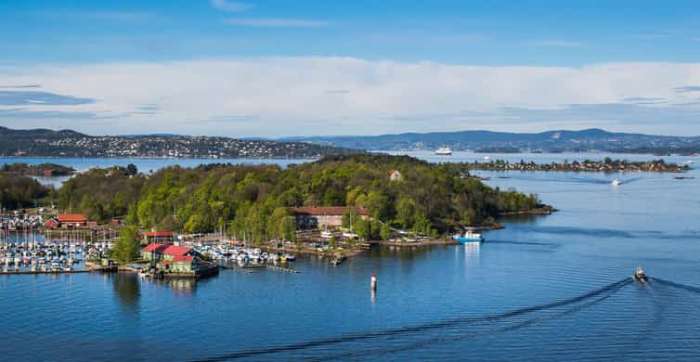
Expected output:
{"points": [[44, 169], [101, 194], [252, 202], [17, 191]]}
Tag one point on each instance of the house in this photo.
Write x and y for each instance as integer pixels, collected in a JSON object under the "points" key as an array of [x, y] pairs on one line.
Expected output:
{"points": [[52, 223], [395, 175], [175, 259], [69, 221], [161, 237], [312, 217]]}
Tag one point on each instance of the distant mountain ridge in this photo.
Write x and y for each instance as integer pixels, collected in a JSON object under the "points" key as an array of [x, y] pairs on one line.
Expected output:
{"points": [[488, 141], [69, 143]]}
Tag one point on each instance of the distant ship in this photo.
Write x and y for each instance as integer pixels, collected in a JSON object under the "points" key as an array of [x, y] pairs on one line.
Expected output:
{"points": [[443, 151]]}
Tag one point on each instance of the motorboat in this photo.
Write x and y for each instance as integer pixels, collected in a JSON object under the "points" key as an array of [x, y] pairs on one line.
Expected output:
{"points": [[616, 182], [468, 237], [640, 276]]}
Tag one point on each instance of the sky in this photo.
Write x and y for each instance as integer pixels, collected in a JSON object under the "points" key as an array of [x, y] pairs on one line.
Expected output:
{"points": [[277, 68]]}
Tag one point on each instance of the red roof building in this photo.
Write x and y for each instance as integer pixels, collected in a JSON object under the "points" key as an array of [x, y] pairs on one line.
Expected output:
{"points": [[174, 250], [159, 236], [52, 224], [72, 218]]}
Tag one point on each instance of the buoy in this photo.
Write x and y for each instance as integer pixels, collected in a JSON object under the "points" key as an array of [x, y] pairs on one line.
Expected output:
{"points": [[373, 282]]}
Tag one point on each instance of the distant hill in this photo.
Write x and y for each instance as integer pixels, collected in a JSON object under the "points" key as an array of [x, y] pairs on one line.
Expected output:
{"points": [[68, 143], [487, 141]]}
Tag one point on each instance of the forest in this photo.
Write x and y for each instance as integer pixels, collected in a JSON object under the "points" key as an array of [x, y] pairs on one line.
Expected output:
{"points": [[427, 198], [17, 191]]}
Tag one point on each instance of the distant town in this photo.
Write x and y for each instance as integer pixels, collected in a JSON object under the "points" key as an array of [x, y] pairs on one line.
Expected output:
{"points": [[68, 143]]}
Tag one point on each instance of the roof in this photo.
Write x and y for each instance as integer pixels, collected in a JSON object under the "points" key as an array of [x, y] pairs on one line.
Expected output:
{"points": [[159, 234], [72, 218], [328, 210], [183, 258], [175, 250], [155, 247]]}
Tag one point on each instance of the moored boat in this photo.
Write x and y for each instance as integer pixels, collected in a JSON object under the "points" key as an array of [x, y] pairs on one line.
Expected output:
{"points": [[468, 237]]}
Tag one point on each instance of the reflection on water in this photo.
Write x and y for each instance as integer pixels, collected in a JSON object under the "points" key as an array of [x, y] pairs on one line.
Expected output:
{"points": [[128, 290], [471, 254]]}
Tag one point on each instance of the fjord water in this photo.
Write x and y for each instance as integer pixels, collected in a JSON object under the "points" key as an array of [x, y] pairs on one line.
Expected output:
{"points": [[556, 287]]}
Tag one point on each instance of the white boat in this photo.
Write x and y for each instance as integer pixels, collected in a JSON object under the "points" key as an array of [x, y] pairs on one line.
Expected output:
{"points": [[468, 237], [443, 151], [616, 182]]}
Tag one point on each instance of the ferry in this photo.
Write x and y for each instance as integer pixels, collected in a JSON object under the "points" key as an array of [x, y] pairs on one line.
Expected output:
{"points": [[443, 151], [468, 237]]}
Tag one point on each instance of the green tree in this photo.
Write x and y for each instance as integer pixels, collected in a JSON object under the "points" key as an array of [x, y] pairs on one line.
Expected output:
{"points": [[385, 232], [127, 247], [405, 211]]}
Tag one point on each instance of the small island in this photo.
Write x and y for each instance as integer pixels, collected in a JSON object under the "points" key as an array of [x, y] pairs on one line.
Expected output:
{"points": [[43, 169], [607, 165]]}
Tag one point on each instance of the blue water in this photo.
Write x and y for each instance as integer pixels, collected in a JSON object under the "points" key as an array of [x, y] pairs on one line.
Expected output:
{"points": [[546, 288]]}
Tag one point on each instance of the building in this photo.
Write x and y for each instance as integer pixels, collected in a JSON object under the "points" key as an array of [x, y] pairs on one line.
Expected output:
{"points": [[67, 221], [170, 258], [160, 237], [320, 217], [52, 223], [395, 175]]}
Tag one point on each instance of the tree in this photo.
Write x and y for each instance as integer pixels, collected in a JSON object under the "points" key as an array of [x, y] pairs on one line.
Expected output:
{"points": [[405, 211], [385, 232], [127, 246], [131, 170]]}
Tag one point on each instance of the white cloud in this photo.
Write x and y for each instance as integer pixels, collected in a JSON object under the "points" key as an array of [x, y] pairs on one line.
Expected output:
{"points": [[276, 22], [230, 6], [333, 95]]}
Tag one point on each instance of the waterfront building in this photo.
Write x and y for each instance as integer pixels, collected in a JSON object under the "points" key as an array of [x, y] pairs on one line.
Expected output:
{"points": [[312, 217], [172, 258], [160, 237], [68, 221]]}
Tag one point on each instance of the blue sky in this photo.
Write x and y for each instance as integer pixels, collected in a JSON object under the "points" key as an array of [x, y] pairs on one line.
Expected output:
{"points": [[277, 68]]}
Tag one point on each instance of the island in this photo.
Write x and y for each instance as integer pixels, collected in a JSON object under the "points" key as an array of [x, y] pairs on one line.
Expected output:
{"points": [[606, 165], [335, 207], [43, 169]]}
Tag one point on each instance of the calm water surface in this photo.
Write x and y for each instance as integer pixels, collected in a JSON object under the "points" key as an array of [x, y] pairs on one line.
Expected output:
{"points": [[547, 288]]}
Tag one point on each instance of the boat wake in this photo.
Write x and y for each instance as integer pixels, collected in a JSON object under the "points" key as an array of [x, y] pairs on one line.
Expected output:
{"points": [[596, 295], [669, 283]]}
